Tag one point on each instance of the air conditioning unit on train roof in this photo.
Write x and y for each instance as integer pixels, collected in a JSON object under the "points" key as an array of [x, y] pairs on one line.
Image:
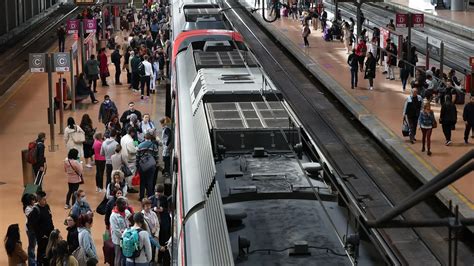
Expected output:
{"points": [[217, 46]]}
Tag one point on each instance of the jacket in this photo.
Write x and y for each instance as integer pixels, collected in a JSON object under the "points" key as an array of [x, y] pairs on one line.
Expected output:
{"points": [[96, 147], [361, 49], [134, 63], [73, 170], [353, 62], [412, 108], [87, 243], [18, 256], [117, 159], [106, 111], [92, 68], [118, 223], [426, 119], [72, 238], [89, 134], [115, 58], [147, 147], [40, 219], [448, 114], [108, 149], [40, 158], [370, 65], [69, 141], [129, 150], [126, 120], [145, 247], [103, 65], [468, 113], [80, 207]]}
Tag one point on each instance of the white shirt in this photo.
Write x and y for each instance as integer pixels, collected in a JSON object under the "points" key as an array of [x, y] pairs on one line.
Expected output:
{"points": [[148, 68]]}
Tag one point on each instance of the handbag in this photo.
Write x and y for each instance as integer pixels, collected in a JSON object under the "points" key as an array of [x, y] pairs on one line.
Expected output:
{"points": [[435, 123], [405, 128], [80, 256], [78, 137], [136, 179], [126, 170], [80, 175], [102, 206], [147, 162]]}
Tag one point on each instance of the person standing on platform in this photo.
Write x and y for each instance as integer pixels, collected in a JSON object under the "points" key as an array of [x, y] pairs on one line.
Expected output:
{"points": [[115, 58], [147, 168], [145, 77], [361, 51], [74, 170], [392, 61], [385, 56], [353, 63], [390, 25], [29, 201], [305, 33], [448, 118], [89, 131], [125, 118], [468, 117], [134, 64], [13, 247], [314, 18], [104, 67], [129, 149], [61, 33], [42, 224], [370, 66], [74, 137], [166, 139], [107, 150], [126, 64], [92, 72], [99, 162], [107, 110], [39, 156], [427, 122], [346, 36], [411, 111]]}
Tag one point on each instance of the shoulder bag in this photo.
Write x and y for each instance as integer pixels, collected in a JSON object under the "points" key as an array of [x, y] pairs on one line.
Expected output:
{"points": [[434, 124], [80, 175], [78, 137]]}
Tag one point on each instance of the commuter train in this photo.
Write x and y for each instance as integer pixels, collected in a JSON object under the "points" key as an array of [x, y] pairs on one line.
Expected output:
{"points": [[234, 160]]}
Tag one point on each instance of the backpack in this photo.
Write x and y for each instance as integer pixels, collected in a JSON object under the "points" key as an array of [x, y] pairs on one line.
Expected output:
{"points": [[130, 243], [32, 152]]}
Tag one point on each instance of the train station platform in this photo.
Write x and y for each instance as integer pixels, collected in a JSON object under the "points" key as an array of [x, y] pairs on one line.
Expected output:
{"points": [[460, 22], [379, 110], [23, 114]]}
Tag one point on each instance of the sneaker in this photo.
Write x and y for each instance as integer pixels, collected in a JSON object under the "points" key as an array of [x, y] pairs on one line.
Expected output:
{"points": [[67, 207], [429, 153], [423, 149], [466, 142], [88, 165], [371, 88], [448, 142], [97, 189]]}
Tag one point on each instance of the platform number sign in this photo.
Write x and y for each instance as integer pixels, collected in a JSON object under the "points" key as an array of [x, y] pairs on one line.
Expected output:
{"points": [[37, 63], [72, 26], [401, 20], [418, 20], [90, 25], [61, 62]]}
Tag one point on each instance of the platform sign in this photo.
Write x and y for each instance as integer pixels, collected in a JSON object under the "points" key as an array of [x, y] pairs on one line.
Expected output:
{"points": [[90, 25], [61, 62], [434, 46], [401, 20], [72, 26], [84, 2], [37, 63], [418, 20]]}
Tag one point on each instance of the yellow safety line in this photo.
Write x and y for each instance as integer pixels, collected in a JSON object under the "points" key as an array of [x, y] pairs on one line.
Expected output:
{"points": [[461, 197]]}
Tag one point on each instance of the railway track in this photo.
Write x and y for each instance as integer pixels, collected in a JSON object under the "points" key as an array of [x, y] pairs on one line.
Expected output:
{"points": [[14, 55], [369, 179]]}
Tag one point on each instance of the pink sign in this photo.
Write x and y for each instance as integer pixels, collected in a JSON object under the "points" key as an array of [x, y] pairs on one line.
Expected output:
{"points": [[72, 26], [401, 20], [418, 20], [90, 25]]}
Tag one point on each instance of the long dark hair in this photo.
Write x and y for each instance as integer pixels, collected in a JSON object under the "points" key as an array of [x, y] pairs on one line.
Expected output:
{"points": [[27, 199], [62, 253], [86, 120], [12, 238], [70, 122]]}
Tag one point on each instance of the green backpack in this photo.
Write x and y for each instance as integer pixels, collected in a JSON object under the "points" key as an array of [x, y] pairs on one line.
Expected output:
{"points": [[130, 243]]}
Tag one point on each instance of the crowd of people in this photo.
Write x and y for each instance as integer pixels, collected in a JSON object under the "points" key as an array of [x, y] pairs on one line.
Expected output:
{"points": [[128, 149]]}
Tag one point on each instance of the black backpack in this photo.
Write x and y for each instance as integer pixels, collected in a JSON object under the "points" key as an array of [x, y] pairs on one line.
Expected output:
{"points": [[141, 69]]}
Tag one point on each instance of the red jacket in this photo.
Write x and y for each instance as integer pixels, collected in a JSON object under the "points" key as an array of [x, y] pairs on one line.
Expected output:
{"points": [[103, 63], [361, 49]]}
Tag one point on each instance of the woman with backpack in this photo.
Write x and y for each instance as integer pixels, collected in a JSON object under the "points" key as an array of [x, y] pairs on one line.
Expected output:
{"points": [[89, 131], [141, 256], [74, 137]]}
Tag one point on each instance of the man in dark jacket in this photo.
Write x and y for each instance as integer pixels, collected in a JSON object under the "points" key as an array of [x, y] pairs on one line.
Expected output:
{"points": [[40, 158], [411, 112], [115, 58], [353, 63], [468, 117], [107, 110], [61, 33], [41, 221], [134, 63], [125, 118]]}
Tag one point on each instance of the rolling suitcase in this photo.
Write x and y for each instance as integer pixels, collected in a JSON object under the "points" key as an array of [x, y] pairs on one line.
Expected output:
{"points": [[37, 184]]}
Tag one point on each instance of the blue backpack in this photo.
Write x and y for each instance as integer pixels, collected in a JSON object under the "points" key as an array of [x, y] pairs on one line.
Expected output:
{"points": [[130, 243]]}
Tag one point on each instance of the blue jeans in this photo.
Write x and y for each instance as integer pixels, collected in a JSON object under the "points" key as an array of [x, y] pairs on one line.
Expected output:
{"points": [[354, 77], [31, 247]]}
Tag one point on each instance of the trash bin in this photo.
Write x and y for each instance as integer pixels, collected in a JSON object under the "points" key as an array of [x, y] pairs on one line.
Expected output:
{"points": [[27, 168]]}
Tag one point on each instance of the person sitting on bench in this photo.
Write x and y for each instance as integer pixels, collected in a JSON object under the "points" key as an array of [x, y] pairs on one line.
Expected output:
{"points": [[82, 90]]}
